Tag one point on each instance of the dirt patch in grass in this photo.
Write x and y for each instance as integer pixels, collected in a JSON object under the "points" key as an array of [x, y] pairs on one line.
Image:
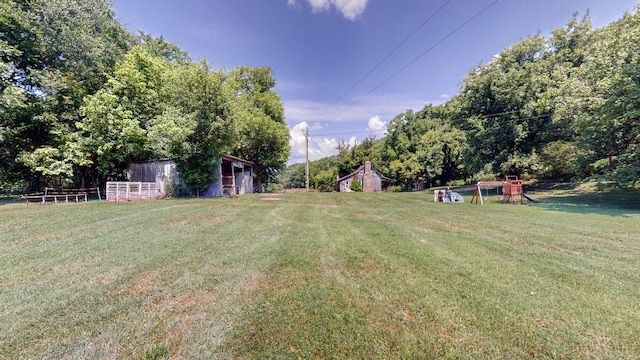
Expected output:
{"points": [[271, 197], [254, 283], [109, 276], [146, 281], [331, 206], [428, 230], [437, 226], [196, 220], [189, 304]]}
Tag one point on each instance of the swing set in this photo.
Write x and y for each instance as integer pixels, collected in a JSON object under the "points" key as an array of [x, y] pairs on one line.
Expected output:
{"points": [[512, 192]]}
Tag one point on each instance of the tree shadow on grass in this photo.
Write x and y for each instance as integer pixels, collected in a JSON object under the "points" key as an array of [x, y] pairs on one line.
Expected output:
{"points": [[613, 203], [9, 200]]}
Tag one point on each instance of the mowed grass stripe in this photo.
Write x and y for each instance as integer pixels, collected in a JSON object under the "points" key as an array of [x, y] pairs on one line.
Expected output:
{"points": [[317, 275], [92, 275], [452, 270]]}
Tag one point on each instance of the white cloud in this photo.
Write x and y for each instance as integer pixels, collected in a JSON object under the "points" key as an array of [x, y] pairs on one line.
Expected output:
{"points": [[385, 106], [377, 127], [319, 147], [317, 126], [350, 9], [319, 5], [297, 142], [379, 110]]}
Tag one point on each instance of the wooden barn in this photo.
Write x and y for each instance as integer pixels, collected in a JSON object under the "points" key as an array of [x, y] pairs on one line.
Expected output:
{"points": [[234, 176], [370, 179]]}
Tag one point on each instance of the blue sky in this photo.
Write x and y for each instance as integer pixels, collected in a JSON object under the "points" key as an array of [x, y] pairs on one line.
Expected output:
{"points": [[327, 55]]}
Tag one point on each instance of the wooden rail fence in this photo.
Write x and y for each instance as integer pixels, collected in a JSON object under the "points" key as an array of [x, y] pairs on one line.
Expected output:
{"points": [[54, 195]]}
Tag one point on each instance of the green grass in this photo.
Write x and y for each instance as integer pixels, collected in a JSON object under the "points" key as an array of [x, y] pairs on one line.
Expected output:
{"points": [[323, 276]]}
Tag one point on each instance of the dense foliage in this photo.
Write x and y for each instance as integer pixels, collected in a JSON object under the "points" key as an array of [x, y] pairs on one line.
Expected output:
{"points": [[81, 98], [564, 107]]}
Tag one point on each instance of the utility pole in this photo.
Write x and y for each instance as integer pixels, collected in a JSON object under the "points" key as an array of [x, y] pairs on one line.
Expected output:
{"points": [[306, 136]]}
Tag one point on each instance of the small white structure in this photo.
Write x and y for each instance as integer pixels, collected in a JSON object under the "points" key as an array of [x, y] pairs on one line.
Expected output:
{"points": [[117, 191], [447, 196]]}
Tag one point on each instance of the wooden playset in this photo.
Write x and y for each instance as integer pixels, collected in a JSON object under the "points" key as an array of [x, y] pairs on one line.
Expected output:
{"points": [[512, 192]]}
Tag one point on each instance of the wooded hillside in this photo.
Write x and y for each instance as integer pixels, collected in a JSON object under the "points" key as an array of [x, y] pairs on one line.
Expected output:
{"points": [[561, 107], [81, 97]]}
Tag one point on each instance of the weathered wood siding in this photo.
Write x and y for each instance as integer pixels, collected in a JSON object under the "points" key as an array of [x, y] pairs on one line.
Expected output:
{"points": [[244, 182], [160, 172], [376, 183], [370, 179]]}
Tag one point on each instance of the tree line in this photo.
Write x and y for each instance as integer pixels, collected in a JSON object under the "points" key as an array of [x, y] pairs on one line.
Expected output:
{"points": [[81, 98], [565, 107]]}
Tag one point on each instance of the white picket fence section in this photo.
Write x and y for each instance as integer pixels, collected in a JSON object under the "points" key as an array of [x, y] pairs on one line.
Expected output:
{"points": [[117, 191]]}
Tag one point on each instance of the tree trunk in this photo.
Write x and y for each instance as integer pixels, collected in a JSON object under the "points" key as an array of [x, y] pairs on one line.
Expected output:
{"points": [[258, 183], [83, 179]]}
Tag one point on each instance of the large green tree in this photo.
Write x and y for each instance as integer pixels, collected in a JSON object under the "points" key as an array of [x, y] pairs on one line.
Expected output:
{"points": [[204, 101], [112, 130], [499, 109], [608, 130], [421, 148], [52, 54], [263, 134]]}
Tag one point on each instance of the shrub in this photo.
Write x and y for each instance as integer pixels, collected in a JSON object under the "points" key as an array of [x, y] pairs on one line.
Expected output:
{"points": [[325, 180], [356, 186], [273, 188], [169, 189]]}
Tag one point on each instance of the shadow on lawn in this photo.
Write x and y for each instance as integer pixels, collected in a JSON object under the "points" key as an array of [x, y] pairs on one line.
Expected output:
{"points": [[567, 197], [8, 200], [614, 203]]}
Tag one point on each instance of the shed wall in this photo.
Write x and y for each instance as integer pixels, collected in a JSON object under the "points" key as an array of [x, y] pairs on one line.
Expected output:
{"points": [[160, 172]]}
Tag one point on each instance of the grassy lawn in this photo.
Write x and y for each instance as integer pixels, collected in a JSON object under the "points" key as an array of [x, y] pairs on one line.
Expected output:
{"points": [[322, 276]]}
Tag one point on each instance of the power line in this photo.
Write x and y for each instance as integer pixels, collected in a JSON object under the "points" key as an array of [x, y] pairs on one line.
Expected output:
{"points": [[393, 51], [450, 34], [369, 131], [349, 133], [459, 119], [313, 141], [430, 48], [411, 63]]}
